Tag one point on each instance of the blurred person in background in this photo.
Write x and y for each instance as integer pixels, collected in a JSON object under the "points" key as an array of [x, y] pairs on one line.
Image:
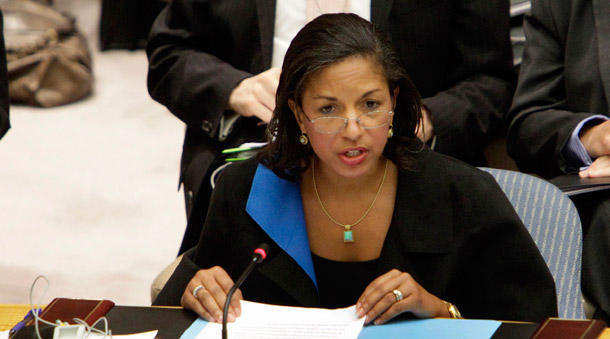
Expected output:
{"points": [[559, 120]]}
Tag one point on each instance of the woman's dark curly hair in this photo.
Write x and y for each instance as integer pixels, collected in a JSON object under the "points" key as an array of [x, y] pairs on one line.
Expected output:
{"points": [[327, 40]]}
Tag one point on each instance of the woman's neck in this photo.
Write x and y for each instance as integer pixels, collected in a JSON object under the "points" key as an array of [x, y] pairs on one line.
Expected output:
{"points": [[333, 182]]}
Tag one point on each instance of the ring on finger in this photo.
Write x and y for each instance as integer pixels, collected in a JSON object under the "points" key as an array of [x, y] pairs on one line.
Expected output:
{"points": [[200, 287], [398, 295]]}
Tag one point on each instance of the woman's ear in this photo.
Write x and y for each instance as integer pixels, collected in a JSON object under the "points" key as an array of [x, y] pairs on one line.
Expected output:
{"points": [[297, 115], [395, 96]]}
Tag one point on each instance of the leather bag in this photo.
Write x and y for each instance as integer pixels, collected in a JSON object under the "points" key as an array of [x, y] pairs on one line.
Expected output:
{"points": [[48, 60]]}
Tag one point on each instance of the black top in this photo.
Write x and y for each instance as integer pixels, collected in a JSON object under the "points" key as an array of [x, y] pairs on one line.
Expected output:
{"points": [[341, 283]]}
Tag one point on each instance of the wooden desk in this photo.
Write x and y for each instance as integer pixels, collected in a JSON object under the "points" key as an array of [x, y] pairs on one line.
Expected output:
{"points": [[172, 321], [11, 315]]}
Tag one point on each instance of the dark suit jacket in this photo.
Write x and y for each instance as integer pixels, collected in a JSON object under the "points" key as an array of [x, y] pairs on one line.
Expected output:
{"points": [[458, 54], [4, 101], [453, 230], [564, 78]]}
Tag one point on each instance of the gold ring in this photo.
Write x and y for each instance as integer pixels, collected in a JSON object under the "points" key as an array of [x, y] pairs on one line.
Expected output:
{"points": [[398, 295], [197, 290]]}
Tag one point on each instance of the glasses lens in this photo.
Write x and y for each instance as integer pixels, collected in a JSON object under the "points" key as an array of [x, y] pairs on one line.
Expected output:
{"points": [[374, 119], [329, 124], [366, 120]]}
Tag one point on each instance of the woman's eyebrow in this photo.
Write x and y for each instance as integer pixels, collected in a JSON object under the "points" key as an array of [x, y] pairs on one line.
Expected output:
{"points": [[329, 98], [369, 92], [325, 97]]}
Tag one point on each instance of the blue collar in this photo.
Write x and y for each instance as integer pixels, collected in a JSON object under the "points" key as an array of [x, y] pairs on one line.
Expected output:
{"points": [[276, 206]]}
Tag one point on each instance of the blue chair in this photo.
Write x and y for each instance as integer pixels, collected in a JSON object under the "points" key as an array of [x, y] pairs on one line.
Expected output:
{"points": [[554, 224]]}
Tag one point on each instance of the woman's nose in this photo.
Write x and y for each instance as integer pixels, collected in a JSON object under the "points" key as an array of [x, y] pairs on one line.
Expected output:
{"points": [[353, 129]]}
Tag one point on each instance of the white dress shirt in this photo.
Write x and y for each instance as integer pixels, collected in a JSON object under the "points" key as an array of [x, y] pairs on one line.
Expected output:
{"points": [[290, 17]]}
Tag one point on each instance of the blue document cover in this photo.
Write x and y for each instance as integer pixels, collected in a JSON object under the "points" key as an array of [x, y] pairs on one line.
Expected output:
{"points": [[194, 329], [433, 328]]}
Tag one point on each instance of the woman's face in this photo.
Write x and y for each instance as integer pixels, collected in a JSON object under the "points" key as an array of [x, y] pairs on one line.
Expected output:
{"points": [[347, 89]]}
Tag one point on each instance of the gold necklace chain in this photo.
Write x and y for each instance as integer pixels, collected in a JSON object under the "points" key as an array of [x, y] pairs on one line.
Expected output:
{"points": [[347, 233]]}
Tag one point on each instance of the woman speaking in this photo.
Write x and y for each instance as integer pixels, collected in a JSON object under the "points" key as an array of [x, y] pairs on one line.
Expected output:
{"points": [[356, 209]]}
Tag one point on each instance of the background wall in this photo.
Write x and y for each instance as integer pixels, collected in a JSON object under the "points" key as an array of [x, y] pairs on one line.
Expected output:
{"points": [[88, 191]]}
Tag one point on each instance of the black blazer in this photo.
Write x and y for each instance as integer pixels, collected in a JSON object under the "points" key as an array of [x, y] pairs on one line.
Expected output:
{"points": [[453, 230], [564, 78], [458, 54]]}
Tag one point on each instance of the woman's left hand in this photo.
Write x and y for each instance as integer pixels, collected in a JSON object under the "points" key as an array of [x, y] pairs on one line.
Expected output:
{"points": [[380, 303]]}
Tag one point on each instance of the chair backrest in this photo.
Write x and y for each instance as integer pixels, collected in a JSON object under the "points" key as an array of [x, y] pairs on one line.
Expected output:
{"points": [[553, 222]]}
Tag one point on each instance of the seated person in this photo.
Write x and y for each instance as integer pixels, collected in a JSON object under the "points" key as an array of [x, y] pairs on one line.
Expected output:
{"points": [[560, 119], [355, 208]]}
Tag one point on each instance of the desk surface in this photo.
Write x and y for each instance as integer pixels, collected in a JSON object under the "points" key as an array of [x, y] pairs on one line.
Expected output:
{"points": [[11, 314], [171, 322]]}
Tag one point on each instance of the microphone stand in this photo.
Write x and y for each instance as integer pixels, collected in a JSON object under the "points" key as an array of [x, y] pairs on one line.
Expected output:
{"points": [[259, 255]]}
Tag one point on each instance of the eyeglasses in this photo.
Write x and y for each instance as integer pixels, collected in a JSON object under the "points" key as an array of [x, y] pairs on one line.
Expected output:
{"points": [[368, 120]]}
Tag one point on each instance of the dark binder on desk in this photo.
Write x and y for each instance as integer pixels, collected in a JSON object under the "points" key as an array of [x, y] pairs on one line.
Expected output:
{"points": [[65, 310], [170, 322], [553, 328], [572, 184]]}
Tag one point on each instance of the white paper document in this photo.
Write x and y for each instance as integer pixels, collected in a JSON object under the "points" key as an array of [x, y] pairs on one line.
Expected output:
{"points": [[143, 335], [263, 321]]}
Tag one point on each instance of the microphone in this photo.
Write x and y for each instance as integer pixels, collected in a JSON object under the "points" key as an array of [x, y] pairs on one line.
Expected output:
{"points": [[259, 255]]}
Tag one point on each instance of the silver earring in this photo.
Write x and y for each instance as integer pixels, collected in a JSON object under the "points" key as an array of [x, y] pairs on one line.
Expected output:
{"points": [[303, 139], [391, 132]]}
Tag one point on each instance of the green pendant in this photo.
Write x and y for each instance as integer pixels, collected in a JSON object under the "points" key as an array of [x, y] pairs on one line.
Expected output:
{"points": [[347, 234]]}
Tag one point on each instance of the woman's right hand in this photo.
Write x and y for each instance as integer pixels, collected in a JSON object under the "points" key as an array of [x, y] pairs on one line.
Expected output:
{"points": [[210, 299]]}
